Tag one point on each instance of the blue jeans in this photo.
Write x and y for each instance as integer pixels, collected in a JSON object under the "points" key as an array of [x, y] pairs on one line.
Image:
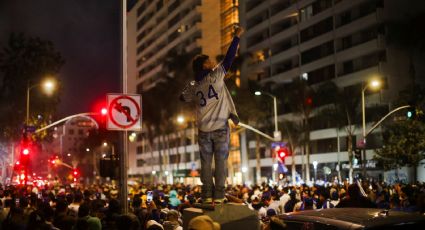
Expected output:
{"points": [[214, 144]]}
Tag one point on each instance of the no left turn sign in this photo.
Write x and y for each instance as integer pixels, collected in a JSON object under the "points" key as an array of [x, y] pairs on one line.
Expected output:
{"points": [[124, 112]]}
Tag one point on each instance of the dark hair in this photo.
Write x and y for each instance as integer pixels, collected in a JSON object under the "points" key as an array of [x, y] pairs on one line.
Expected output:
{"points": [[137, 201], [61, 206], [198, 62], [84, 210], [353, 191]]}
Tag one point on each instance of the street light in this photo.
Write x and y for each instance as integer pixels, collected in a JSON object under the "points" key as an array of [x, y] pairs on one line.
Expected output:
{"points": [[276, 133], [180, 119], [48, 86], [374, 84]]}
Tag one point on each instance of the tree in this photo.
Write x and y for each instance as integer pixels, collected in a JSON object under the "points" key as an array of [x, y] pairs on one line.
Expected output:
{"points": [[160, 114], [25, 61], [293, 133], [341, 108], [298, 95], [404, 145]]}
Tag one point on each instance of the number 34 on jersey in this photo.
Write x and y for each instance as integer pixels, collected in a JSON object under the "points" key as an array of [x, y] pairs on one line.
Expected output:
{"points": [[211, 94]]}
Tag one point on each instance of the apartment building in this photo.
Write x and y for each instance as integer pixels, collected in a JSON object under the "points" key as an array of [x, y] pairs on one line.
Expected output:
{"points": [[320, 40], [157, 28]]}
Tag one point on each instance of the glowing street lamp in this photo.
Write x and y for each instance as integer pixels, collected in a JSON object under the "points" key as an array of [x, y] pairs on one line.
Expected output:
{"points": [[48, 86], [375, 85], [180, 119]]}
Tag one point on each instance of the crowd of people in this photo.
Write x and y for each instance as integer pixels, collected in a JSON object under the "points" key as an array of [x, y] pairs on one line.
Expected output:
{"points": [[97, 206]]}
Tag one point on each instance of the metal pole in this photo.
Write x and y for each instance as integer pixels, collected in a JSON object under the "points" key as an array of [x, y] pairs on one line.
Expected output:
{"points": [[364, 133], [383, 118], [124, 156], [275, 114], [28, 103], [192, 146]]}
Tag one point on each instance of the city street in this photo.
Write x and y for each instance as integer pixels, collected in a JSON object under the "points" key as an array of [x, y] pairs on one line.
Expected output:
{"points": [[212, 114]]}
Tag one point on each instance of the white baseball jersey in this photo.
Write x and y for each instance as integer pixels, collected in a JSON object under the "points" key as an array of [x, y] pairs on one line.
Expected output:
{"points": [[214, 103]]}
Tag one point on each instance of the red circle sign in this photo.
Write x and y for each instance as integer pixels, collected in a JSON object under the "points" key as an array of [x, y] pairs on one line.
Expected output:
{"points": [[115, 105]]}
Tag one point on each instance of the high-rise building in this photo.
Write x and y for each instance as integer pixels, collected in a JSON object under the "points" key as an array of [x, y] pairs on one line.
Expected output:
{"points": [[156, 29], [342, 41]]}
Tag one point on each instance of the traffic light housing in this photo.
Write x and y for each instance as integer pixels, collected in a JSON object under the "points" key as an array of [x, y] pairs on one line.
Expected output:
{"points": [[104, 111], [25, 151], [282, 152], [411, 113]]}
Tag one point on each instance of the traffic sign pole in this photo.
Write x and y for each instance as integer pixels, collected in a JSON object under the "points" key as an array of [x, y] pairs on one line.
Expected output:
{"points": [[124, 153]]}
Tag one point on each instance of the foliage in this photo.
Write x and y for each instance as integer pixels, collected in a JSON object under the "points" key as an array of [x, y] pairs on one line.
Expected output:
{"points": [[161, 103], [404, 145], [25, 61], [341, 108]]}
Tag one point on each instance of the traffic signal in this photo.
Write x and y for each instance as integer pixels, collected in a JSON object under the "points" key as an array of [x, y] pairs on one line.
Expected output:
{"points": [[75, 172], [282, 152], [25, 151], [309, 101], [103, 111], [411, 113]]}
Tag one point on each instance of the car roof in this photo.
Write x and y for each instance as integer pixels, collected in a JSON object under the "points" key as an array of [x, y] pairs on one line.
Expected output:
{"points": [[366, 217]]}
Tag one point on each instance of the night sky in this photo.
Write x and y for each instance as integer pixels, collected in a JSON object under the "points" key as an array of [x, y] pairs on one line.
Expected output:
{"points": [[86, 33]]}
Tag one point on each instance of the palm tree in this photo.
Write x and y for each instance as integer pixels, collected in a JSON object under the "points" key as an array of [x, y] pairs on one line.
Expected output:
{"points": [[299, 97], [159, 113], [342, 108], [292, 131]]}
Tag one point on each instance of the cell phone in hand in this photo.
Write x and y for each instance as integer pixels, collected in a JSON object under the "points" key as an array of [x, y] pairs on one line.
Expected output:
{"points": [[149, 196]]}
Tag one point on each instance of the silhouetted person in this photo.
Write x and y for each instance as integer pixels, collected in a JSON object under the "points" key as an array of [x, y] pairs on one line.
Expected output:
{"points": [[355, 199]]}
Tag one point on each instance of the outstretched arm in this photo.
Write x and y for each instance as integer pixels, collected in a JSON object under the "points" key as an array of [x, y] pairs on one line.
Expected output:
{"points": [[231, 51]]}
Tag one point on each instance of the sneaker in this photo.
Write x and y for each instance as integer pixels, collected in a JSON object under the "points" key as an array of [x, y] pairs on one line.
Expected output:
{"points": [[220, 201], [207, 201]]}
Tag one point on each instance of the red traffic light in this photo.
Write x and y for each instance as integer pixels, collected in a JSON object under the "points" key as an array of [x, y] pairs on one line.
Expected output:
{"points": [[282, 152], [103, 111], [75, 172], [309, 101], [25, 151]]}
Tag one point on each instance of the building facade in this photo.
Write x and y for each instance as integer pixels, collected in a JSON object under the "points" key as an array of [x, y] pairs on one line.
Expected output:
{"points": [[325, 40], [342, 41], [156, 29]]}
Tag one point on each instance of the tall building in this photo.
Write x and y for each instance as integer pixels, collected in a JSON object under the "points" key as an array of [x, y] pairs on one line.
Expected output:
{"points": [[156, 30], [342, 41]]}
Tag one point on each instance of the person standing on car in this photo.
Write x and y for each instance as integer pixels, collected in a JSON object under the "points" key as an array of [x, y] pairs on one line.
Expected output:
{"points": [[213, 109]]}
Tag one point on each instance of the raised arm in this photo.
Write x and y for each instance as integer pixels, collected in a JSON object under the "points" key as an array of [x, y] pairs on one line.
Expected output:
{"points": [[231, 51]]}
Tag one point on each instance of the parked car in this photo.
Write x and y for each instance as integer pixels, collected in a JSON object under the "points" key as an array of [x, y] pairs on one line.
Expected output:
{"points": [[352, 218]]}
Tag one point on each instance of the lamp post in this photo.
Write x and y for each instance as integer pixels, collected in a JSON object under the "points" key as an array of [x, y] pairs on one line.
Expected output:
{"points": [[182, 120], [48, 86], [374, 84], [315, 170], [276, 134]]}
